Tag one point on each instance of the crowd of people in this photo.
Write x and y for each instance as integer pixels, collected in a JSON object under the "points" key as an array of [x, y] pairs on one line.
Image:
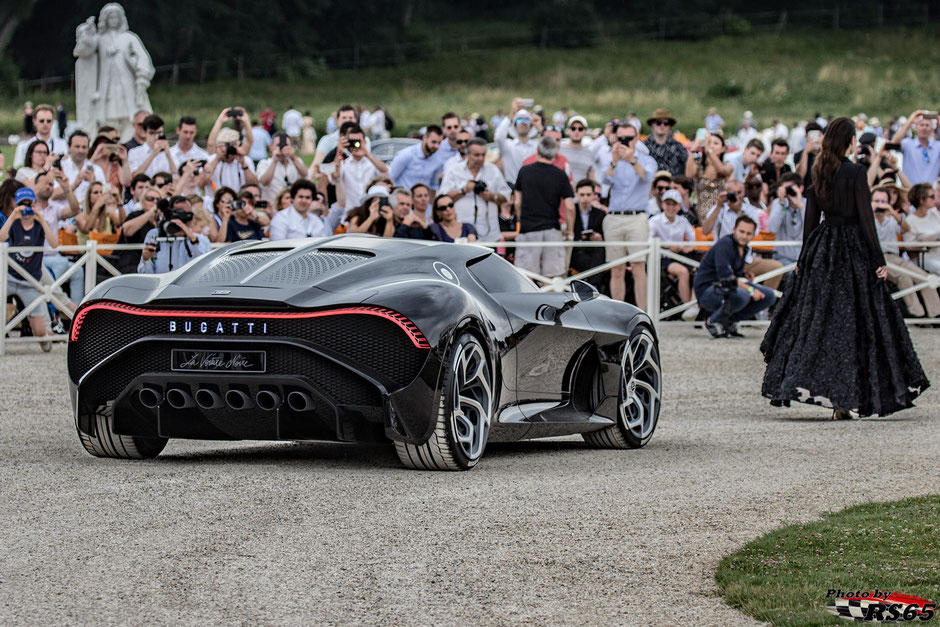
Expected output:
{"points": [[549, 178]]}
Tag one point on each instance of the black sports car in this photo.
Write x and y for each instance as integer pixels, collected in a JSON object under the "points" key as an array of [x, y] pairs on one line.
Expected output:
{"points": [[439, 348]]}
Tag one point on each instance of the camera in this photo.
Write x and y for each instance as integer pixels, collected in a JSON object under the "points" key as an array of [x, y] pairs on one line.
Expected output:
{"points": [[479, 187], [238, 205], [726, 286], [57, 164], [282, 141], [234, 112], [791, 191], [231, 150], [166, 227], [162, 136], [27, 207], [732, 197], [881, 210], [383, 202], [355, 143]]}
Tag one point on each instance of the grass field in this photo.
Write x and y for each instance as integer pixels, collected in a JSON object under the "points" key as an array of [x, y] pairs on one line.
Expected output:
{"points": [[880, 72], [783, 577]]}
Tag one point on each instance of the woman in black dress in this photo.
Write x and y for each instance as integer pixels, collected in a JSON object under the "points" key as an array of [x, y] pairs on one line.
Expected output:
{"points": [[837, 339]]}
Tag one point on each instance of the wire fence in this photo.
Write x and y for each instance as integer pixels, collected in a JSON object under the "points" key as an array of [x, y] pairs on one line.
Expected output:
{"points": [[362, 55]]}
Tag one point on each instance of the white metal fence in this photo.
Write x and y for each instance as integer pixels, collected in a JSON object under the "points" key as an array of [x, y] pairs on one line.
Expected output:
{"points": [[651, 252]]}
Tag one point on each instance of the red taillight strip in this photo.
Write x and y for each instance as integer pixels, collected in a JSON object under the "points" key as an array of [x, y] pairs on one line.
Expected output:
{"points": [[417, 338]]}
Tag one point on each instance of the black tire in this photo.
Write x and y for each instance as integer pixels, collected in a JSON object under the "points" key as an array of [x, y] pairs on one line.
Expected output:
{"points": [[649, 377], [447, 448], [107, 443]]}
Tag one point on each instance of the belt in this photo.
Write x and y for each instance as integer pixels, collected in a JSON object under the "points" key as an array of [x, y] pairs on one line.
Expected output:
{"points": [[626, 213]]}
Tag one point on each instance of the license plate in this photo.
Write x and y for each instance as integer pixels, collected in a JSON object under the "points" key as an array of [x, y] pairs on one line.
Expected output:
{"points": [[217, 361]]}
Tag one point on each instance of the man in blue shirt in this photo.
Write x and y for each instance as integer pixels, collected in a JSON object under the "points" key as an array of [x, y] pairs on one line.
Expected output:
{"points": [[922, 153], [630, 175], [722, 285], [417, 163]]}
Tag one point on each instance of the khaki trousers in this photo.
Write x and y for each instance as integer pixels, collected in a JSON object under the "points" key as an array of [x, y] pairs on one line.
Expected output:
{"points": [[904, 281]]}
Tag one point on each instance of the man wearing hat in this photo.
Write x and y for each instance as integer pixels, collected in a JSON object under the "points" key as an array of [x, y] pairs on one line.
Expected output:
{"points": [[661, 182], [230, 166], [669, 226], [25, 227], [669, 154], [515, 150], [578, 155]]}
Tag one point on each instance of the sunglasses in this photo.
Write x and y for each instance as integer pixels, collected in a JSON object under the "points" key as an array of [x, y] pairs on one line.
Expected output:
{"points": [[661, 123], [577, 128], [152, 198], [523, 120], [461, 142], [926, 155], [163, 184], [659, 188], [447, 206], [755, 184]]}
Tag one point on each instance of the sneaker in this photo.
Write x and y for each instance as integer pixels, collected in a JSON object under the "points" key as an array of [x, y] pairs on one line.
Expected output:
{"points": [[691, 313], [732, 330], [715, 328], [763, 314], [58, 328], [45, 346]]}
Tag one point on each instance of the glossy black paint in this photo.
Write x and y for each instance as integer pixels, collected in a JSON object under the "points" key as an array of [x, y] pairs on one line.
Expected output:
{"points": [[554, 376]]}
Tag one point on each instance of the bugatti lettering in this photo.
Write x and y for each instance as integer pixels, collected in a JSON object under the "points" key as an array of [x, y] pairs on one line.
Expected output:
{"points": [[218, 328]]}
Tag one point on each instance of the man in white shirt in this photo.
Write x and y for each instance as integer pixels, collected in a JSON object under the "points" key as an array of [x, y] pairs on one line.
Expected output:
{"points": [[304, 217], [463, 137], [576, 151], [78, 170], [281, 169], [154, 155], [292, 123], [43, 118], [479, 207], [722, 217], [186, 148], [516, 150], [328, 142], [262, 139], [229, 167], [377, 123], [360, 167]]}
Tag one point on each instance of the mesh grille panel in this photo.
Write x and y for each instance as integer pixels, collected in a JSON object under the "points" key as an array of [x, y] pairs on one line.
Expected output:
{"points": [[232, 268], [363, 340], [307, 267]]}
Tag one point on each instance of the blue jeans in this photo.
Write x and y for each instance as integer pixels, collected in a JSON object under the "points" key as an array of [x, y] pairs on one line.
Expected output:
{"points": [[742, 305], [58, 265]]}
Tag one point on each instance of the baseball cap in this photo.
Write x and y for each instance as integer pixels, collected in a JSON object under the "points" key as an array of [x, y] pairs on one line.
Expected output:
{"points": [[672, 194], [24, 193], [577, 118], [227, 136], [867, 138]]}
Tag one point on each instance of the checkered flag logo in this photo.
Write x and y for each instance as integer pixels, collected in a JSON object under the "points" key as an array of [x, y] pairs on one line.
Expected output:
{"points": [[875, 607], [856, 609]]}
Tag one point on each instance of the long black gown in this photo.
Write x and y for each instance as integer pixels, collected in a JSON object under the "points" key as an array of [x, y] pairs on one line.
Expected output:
{"points": [[837, 339]]}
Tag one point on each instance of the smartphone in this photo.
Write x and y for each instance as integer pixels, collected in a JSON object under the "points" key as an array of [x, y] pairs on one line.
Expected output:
{"points": [[261, 204], [327, 168], [587, 233], [234, 112], [90, 168], [526, 103], [892, 146], [814, 135], [930, 115], [700, 134], [162, 136], [57, 164], [105, 188]]}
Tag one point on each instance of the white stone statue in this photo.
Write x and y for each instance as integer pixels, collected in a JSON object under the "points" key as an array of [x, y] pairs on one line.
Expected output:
{"points": [[112, 73]]}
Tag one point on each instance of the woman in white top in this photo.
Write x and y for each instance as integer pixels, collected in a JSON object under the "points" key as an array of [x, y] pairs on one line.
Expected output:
{"points": [[925, 223], [37, 156]]}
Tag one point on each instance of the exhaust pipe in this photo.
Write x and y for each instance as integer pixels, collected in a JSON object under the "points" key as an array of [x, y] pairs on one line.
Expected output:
{"points": [[208, 399], [300, 401], [150, 397], [236, 399], [179, 398], [268, 400]]}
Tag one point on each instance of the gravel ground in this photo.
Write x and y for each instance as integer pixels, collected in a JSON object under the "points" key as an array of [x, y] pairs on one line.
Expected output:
{"points": [[540, 532]]}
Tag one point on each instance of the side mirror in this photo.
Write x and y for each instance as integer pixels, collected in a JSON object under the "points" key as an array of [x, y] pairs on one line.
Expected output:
{"points": [[582, 291]]}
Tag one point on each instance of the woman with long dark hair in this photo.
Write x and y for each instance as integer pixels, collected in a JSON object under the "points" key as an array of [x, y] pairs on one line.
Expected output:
{"points": [[837, 338]]}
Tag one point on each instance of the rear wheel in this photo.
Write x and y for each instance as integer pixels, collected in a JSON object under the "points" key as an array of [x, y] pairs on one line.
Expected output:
{"points": [[465, 409], [640, 397], [107, 443]]}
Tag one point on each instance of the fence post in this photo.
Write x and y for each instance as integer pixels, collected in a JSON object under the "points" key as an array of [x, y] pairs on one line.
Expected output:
{"points": [[91, 265], [653, 268], [4, 268]]}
